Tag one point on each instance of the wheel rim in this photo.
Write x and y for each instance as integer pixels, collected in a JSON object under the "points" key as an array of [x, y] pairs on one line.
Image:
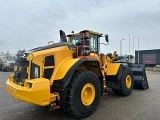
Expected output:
{"points": [[88, 94], [128, 81]]}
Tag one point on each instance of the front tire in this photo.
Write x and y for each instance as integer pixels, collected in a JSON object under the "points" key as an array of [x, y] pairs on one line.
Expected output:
{"points": [[83, 94], [126, 83]]}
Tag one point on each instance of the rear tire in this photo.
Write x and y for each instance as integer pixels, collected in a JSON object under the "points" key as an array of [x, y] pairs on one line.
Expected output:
{"points": [[126, 83], [83, 94]]}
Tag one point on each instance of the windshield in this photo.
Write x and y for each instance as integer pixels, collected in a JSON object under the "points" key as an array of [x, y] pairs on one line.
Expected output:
{"points": [[93, 41]]}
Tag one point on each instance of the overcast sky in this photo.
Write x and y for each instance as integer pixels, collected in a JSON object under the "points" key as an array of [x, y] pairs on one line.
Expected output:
{"points": [[26, 24]]}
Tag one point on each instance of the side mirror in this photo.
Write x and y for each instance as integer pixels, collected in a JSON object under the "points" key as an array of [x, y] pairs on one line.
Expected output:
{"points": [[106, 38]]}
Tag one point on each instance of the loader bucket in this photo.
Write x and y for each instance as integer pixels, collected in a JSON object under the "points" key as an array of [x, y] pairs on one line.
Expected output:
{"points": [[140, 78]]}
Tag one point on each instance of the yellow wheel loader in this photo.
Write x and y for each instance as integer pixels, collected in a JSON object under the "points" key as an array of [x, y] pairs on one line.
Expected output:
{"points": [[72, 74]]}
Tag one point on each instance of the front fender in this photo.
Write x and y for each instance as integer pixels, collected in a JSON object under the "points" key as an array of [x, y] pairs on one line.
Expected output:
{"points": [[66, 71], [65, 66], [62, 70]]}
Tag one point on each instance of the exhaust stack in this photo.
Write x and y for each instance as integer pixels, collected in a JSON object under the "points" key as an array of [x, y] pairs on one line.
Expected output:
{"points": [[62, 36]]}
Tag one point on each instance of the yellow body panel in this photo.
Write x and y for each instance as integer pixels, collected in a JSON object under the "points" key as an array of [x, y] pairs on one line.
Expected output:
{"points": [[29, 57], [112, 68], [63, 68], [35, 91], [58, 57]]}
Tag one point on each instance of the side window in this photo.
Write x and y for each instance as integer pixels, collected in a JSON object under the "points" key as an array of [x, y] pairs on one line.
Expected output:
{"points": [[49, 61], [93, 43]]}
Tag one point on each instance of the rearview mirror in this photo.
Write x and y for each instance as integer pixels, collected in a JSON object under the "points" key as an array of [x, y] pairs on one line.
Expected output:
{"points": [[106, 38]]}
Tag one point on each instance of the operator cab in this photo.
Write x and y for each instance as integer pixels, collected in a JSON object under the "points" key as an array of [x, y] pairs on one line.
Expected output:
{"points": [[87, 42]]}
